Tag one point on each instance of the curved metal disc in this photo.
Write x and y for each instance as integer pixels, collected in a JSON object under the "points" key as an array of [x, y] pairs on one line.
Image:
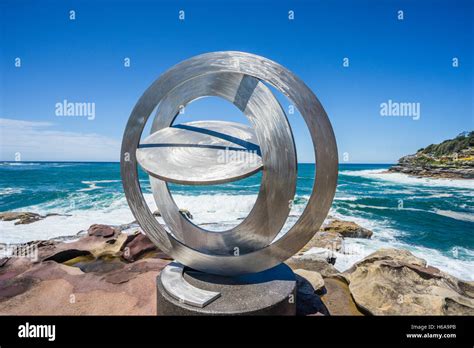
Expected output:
{"points": [[201, 153], [324, 146], [174, 283], [278, 183]]}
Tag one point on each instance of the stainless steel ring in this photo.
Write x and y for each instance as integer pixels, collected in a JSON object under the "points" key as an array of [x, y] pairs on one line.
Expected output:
{"points": [[324, 146], [278, 184]]}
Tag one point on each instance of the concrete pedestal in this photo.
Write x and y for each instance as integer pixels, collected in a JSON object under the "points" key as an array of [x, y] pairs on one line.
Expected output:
{"points": [[271, 292]]}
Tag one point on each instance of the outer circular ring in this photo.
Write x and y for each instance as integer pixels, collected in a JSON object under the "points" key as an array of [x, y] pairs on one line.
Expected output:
{"points": [[278, 184], [323, 141]]}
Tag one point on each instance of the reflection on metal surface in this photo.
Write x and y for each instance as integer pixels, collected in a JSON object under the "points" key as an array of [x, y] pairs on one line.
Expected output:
{"points": [[201, 153], [239, 78], [176, 286]]}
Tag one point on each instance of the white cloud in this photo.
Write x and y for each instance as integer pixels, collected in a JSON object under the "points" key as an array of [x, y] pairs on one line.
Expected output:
{"points": [[37, 141]]}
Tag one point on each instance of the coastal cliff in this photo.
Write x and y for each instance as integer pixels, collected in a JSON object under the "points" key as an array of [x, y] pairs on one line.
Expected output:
{"points": [[453, 159]]}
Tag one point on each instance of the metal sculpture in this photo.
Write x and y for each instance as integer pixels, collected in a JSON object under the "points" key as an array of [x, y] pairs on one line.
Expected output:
{"points": [[189, 154]]}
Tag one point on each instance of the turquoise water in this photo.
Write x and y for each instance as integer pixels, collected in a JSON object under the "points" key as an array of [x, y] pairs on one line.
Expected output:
{"points": [[434, 218]]}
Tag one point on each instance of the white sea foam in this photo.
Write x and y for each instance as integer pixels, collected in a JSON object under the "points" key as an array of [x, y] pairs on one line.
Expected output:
{"points": [[463, 216], [365, 206], [106, 181], [457, 251], [14, 164], [455, 215], [217, 211], [10, 190], [370, 206], [229, 209], [346, 198], [400, 178], [42, 164], [55, 226], [382, 230], [92, 185], [432, 196]]}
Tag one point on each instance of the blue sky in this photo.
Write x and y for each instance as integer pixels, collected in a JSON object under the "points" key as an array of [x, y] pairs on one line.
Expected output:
{"points": [[82, 61]]}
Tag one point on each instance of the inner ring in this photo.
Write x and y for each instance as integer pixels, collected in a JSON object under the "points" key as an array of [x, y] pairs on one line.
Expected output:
{"points": [[278, 184]]}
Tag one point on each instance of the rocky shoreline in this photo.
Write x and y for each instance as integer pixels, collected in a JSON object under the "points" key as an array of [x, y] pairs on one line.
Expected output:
{"points": [[111, 270], [451, 159], [432, 171]]}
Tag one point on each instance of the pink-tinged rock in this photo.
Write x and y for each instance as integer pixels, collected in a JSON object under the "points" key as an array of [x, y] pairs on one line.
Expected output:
{"points": [[51, 288], [137, 245], [98, 230]]}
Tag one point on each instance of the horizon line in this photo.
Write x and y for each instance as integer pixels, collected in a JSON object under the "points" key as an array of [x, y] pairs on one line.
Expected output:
{"points": [[42, 161]]}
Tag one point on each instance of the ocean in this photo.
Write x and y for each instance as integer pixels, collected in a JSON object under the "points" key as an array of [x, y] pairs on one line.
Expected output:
{"points": [[432, 218]]}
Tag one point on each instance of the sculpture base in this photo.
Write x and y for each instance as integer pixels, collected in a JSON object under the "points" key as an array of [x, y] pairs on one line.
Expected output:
{"points": [[271, 292]]}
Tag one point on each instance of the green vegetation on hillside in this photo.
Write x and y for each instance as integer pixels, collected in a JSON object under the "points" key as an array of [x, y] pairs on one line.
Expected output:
{"points": [[451, 146], [457, 151]]}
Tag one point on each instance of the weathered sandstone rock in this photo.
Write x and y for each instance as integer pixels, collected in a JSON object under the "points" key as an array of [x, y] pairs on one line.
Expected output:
{"points": [[314, 278], [337, 297], [51, 288], [331, 235], [139, 245], [328, 240], [395, 282], [312, 262], [87, 276], [101, 231], [24, 217], [347, 229]]}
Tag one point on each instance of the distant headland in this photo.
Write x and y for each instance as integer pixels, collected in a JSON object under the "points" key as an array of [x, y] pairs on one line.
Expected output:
{"points": [[453, 159]]}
